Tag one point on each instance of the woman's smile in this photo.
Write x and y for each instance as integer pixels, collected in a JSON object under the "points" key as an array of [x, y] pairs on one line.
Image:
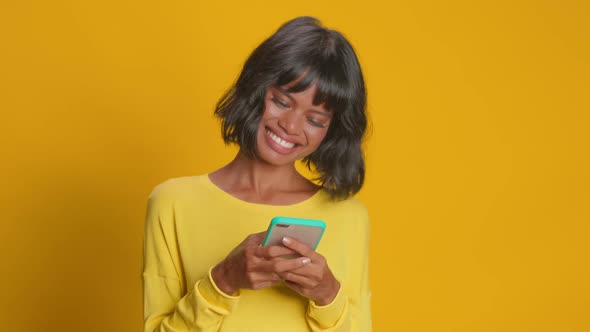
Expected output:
{"points": [[284, 144]]}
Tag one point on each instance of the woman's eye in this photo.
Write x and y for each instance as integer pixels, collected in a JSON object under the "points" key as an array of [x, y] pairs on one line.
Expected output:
{"points": [[316, 123], [280, 102]]}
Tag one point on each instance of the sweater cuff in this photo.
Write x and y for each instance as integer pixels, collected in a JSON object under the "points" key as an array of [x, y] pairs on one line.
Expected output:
{"points": [[215, 296], [328, 315]]}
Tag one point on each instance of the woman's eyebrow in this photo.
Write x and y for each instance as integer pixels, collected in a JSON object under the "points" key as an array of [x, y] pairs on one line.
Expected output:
{"points": [[283, 91]]}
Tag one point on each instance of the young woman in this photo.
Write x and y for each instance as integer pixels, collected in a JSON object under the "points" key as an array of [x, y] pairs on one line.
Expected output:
{"points": [[300, 95]]}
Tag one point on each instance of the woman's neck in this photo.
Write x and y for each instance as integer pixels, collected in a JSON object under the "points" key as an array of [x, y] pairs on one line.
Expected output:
{"points": [[257, 181]]}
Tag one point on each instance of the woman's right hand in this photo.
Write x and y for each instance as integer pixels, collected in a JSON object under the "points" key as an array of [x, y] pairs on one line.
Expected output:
{"points": [[251, 266]]}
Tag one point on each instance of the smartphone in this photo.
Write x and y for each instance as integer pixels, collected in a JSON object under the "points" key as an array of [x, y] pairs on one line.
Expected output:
{"points": [[308, 231]]}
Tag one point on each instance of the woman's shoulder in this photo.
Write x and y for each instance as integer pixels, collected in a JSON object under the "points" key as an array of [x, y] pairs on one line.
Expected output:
{"points": [[352, 206], [177, 187]]}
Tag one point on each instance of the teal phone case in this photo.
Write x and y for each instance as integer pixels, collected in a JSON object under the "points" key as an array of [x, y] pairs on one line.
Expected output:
{"points": [[308, 231]]}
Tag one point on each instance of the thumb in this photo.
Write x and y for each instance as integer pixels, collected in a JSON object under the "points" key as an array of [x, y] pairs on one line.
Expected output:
{"points": [[257, 238]]}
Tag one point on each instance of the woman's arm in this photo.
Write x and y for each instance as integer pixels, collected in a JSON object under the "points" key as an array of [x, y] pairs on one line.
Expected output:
{"points": [[336, 308], [169, 305]]}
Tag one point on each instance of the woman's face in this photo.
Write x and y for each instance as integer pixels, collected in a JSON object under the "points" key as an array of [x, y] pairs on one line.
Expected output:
{"points": [[291, 127]]}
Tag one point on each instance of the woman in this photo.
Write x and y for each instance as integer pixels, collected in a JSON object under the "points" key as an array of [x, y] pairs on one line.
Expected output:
{"points": [[300, 95]]}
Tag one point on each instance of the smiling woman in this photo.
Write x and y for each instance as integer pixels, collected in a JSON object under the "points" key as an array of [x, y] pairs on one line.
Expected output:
{"points": [[302, 54], [300, 96]]}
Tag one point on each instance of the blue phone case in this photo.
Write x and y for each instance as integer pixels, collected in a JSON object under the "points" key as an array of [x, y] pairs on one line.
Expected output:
{"points": [[308, 231]]}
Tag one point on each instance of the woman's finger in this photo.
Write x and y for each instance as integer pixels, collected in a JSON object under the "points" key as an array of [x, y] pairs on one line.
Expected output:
{"points": [[258, 280], [298, 279], [271, 252], [294, 286], [256, 238], [282, 265], [299, 247]]}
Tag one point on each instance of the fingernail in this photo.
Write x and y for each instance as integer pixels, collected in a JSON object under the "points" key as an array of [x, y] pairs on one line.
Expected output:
{"points": [[286, 240], [306, 261]]}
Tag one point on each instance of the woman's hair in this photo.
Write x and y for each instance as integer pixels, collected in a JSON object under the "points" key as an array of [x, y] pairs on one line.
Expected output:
{"points": [[302, 52]]}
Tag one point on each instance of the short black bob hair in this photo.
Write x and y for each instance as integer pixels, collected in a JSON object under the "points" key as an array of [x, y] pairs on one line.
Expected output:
{"points": [[303, 52]]}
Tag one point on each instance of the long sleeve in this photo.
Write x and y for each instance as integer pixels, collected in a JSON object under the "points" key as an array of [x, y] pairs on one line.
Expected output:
{"points": [[334, 316], [348, 314], [168, 304]]}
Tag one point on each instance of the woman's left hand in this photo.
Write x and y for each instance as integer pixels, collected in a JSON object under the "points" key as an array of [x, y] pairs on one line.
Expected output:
{"points": [[315, 280]]}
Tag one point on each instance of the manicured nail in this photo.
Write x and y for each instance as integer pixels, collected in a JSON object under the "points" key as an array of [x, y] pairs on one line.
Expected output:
{"points": [[306, 261], [286, 240]]}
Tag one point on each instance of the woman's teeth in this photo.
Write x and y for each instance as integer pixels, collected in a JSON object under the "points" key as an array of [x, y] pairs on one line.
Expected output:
{"points": [[280, 141]]}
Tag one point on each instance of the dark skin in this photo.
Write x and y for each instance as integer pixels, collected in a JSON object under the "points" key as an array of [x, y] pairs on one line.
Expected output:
{"points": [[271, 178]]}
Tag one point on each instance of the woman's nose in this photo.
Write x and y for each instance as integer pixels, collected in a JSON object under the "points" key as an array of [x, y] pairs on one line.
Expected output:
{"points": [[291, 122]]}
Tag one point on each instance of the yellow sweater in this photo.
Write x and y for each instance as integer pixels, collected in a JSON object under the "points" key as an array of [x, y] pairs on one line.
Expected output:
{"points": [[191, 225]]}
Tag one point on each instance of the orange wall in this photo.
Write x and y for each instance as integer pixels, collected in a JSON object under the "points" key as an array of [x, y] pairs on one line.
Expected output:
{"points": [[478, 181]]}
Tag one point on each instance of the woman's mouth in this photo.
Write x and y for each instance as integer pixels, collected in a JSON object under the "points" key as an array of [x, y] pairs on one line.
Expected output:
{"points": [[281, 142]]}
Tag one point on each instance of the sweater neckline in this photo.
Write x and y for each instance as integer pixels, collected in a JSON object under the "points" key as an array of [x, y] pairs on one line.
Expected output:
{"points": [[313, 199]]}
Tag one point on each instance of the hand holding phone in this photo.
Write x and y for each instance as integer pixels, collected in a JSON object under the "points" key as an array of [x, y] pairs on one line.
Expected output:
{"points": [[314, 280]]}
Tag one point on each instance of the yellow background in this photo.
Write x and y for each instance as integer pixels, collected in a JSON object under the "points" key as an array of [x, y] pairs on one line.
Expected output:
{"points": [[477, 184]]}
